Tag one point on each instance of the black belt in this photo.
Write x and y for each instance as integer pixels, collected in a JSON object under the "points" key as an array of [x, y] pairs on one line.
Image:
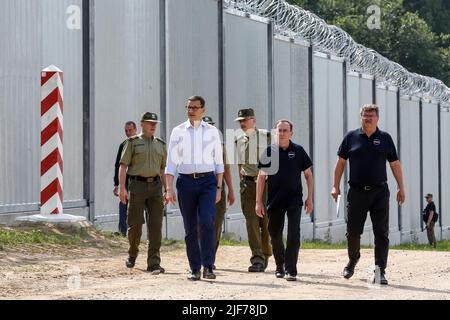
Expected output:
{"points": [[369, 187], [249, 178], [197, 175], [145, 179]]}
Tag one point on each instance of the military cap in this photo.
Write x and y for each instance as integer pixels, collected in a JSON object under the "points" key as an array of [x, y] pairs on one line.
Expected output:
{"points": [[429, 195], [208, 119], [244, 114], [149, 116]]}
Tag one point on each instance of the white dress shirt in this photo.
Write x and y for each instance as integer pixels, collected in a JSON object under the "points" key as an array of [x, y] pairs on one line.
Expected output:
{"points": [[194, 150]]}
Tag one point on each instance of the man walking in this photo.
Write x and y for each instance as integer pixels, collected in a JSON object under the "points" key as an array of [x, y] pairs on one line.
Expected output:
{"points": [[130, 130], [285, 196], [195, 152], [250, 143], [144, 159], [367, 150]]}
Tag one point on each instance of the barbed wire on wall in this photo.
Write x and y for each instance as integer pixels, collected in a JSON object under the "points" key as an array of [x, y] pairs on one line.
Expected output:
{"points": [[294, 22]]}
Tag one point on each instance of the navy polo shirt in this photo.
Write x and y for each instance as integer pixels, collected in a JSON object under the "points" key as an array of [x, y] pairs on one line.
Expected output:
{"points": [[284, 168], [367, 156]]}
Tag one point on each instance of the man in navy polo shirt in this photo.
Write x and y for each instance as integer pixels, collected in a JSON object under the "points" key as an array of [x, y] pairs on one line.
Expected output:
{"points": [[282, 165], [367, 150]]}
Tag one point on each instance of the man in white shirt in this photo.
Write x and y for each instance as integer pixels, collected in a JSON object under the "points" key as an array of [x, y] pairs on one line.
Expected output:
{"points": [[195, 153]]}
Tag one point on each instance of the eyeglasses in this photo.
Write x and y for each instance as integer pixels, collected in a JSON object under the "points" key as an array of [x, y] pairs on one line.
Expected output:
{"points": [[193, 108]]}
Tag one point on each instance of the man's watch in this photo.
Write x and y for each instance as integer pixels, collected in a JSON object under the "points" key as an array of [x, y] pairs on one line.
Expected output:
{"points": [[219, 187]]}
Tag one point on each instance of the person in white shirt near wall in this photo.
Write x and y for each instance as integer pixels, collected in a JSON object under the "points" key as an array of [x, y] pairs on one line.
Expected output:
{"points": [[195, 153]]}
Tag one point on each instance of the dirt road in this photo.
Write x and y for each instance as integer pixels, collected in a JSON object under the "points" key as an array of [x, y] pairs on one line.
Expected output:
{"points": [[102, 275]]}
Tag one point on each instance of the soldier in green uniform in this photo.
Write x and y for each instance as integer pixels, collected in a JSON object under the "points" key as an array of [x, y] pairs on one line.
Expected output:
{"points": [[144, 159], [250, 143], [221, 206]]}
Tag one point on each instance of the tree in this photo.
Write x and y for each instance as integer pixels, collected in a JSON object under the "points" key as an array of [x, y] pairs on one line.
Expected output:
{"points": [[404, 36]]}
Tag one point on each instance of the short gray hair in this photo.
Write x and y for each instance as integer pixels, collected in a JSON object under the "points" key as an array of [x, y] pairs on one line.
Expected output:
{"points": [[369, 108]]}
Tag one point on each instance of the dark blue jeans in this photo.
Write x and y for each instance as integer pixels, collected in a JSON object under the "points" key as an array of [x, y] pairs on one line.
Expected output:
{"points": [[123, 218], [197, 200]]}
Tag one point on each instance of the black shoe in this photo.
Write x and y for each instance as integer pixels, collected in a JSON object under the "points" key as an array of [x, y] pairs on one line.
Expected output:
{"points": [[349, 269], [208, 273], [382, 280], [130, 262], [194, 275], [291, 277], [156, 269], [214, 267], [256, 267], [279, 273]]}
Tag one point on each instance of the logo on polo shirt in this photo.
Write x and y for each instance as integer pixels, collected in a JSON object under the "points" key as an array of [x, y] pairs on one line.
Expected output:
{"points": [[376, 142], [291, 154]]}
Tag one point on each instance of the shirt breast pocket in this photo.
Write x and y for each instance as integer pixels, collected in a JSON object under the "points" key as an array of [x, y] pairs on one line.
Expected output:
{"points": [[139, 152]]}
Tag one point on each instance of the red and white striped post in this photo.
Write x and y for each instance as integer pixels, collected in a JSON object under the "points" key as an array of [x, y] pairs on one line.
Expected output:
{"points": [[52, 150], [51, 140]]}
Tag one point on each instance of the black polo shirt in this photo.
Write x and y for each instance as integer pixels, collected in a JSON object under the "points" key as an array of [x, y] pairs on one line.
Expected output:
{"points": [[430, 207], [284, 168], [367, 156]]}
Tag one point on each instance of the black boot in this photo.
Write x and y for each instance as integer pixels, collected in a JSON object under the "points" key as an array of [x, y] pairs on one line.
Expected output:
{"points": [[349, 269], [130, 262]]}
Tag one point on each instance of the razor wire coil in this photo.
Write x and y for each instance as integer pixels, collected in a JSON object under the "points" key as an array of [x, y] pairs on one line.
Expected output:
{"points": [[294, 22]]}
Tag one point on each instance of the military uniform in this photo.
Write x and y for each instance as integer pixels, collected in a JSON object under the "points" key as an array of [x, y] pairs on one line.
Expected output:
{"points": [[145, 158], [249, 148], [221, 206]]}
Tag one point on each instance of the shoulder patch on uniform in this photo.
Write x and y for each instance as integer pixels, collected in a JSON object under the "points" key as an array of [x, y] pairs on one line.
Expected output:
{"points": [[161, 140]]}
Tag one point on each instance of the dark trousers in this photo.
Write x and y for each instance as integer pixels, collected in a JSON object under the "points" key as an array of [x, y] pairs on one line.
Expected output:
{"points": [[285, 259], [197, 200], [375, 201], [123, 226], [430, 234]]}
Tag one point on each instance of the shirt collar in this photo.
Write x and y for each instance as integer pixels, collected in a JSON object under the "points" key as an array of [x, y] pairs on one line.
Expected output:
{"points": [[188, 124], [141, 135], [289, 148], [376, 133]]}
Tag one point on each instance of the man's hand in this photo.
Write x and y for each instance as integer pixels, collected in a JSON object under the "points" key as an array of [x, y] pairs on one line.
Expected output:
{"points": [[308, 206], [170, 197], [218, 195], [335, 192], [123, 194], [116, 191], [259, 209], [400, 196], [231, 197]]}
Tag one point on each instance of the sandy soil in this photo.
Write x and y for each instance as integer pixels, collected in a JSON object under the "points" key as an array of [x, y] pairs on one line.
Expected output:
{"points": [[101, 274]]}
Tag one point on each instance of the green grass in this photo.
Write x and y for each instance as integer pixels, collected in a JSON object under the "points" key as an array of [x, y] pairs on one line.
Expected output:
{"points": [[14, 237], [11, 237], [441, 246], [320, 244]]}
